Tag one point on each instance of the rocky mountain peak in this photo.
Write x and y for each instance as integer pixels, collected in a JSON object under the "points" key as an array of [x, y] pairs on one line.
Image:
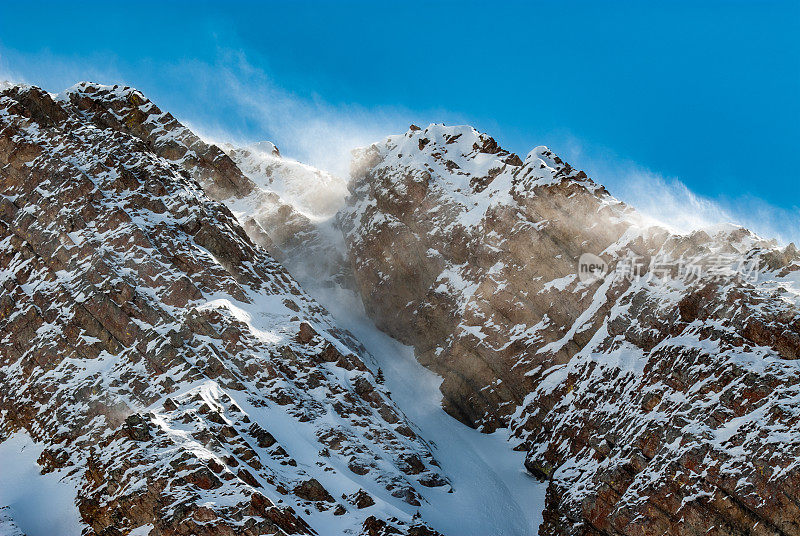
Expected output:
{"points": [[451, 152], [178, 377], [632, 392], [126, 109]]}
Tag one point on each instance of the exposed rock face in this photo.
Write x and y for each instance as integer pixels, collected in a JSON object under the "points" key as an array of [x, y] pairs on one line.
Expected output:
{"points": [[173, 367], [284, 206], [655, 403]]}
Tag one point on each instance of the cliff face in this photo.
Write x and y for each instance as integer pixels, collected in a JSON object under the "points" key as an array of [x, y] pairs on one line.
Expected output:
{"points": [[657, 400], [173, 368]]}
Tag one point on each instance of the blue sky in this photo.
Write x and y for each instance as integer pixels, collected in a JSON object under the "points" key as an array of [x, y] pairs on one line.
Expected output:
{"points": [[690, 111]]}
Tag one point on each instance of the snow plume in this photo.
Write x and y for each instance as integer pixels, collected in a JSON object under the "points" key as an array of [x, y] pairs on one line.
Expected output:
{"points": [[668, 202], [674, 205], [228, 99], [7, 75], [304, 127]]}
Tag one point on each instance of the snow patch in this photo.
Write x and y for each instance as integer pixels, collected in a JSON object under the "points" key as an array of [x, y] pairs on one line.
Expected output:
{"points": [[39, 504]]}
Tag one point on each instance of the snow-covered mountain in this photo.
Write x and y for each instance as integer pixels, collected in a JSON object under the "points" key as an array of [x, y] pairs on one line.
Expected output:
{"points": [[167, 350], [177, 375], [661, 399]]}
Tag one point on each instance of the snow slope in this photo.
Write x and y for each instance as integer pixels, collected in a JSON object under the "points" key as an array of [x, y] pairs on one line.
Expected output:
{"points": [[38, 504], [492, 491]]}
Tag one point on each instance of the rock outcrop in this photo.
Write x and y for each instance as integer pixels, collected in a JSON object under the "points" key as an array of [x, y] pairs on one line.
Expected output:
{"points": [[660, 399], [171, 367], [284, 206]]}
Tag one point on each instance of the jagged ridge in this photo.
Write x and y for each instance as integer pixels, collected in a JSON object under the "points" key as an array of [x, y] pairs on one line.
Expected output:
{"points": [[652, 406], [170, 365]]}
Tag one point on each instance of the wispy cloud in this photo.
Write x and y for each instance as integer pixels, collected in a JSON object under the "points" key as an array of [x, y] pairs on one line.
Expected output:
{"points": [[7, 74], [672, 204], [307, 128]]}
